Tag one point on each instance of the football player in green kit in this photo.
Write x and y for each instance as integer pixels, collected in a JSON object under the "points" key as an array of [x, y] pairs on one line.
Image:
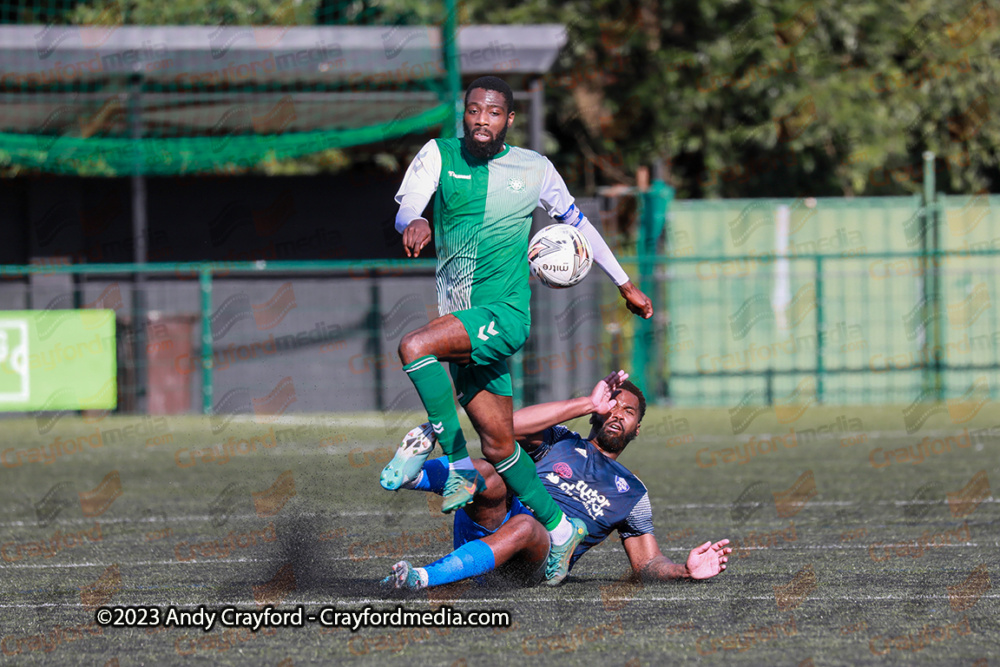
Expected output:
{"points": [[484, 194]]}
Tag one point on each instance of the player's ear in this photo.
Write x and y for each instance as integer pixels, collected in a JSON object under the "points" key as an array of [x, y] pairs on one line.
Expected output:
{"points": [[510, 119]]}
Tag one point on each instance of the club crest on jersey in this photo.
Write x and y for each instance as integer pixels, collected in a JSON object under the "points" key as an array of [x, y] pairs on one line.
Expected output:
{"points": [[515, 184], [621, 484], [563, 470]]}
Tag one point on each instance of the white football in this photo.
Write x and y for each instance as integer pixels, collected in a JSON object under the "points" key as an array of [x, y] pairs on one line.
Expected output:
{"points": [[559, 255]]}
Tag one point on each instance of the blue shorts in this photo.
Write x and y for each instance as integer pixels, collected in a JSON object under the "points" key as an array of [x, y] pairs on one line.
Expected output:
{"points": [[467, 530], [514, 571]]}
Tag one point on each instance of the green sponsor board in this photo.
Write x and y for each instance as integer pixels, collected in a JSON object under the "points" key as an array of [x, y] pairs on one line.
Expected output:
{"points": [[57, 360]]}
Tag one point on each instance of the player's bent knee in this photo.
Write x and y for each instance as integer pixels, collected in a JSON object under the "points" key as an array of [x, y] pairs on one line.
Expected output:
{"points": [[527, 529], [494, 483], [486, 469], [411, 347], [496, 451]]}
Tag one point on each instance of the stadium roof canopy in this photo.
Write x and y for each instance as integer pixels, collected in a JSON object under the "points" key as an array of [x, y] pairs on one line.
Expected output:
{"points": [[172, 100], [204, 79], [219, 55]]}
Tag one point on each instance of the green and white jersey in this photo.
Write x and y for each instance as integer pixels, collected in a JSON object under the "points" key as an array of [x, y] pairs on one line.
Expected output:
{"points": [[482, 219]]}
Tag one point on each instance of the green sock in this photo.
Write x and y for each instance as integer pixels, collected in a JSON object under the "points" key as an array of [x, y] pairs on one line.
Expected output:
{"points": [[434, 387], [518, 472]]}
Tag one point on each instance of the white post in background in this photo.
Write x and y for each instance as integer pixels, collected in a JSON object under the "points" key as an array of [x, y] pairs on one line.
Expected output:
{"points": [[782, 294]]}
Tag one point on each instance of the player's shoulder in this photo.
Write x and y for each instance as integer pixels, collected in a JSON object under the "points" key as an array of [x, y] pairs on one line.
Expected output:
{"points": [[447, 143], [522, 154], [525, 152], [450, 147], [429, 153], [561, 433], [555, 438], [442, 147]]}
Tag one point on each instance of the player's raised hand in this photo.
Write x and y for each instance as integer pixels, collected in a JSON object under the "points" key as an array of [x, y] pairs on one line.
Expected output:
{"points": [[708, 560], [600, 397], [416, 235], [636, 301]]}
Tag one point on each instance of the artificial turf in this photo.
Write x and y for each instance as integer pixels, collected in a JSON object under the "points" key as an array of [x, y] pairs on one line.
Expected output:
{"points": [[838, 562]]}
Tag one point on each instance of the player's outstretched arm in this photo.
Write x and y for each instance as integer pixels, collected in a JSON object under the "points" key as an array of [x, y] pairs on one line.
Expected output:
{"points": [[531, 422], [649, 563], [559, 204], [636, 301]]}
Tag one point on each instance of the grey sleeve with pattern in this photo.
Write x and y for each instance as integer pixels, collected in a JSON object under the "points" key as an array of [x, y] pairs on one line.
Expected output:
{"points": [[639, 521]]}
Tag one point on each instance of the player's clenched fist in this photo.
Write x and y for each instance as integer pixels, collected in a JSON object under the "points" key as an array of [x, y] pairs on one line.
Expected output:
{"points": [[416, 236], [636, 301]]}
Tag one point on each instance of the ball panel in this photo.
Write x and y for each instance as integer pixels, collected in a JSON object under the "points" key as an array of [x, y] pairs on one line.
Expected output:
{"points": [[559, 256]]}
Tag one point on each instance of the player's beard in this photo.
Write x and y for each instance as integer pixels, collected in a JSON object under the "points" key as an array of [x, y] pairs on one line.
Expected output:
{"points": [[614, 443], [483, 151]]}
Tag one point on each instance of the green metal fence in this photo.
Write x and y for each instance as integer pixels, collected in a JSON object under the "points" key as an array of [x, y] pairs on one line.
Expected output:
{"points": [[850, 330], [758, 302], [837, 301], [289, 317]]}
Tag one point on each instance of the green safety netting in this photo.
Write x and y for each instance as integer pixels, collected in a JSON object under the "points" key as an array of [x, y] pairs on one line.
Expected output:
{"points": [[111, 88]]}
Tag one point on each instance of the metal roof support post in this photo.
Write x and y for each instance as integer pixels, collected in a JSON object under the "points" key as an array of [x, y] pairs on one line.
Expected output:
{"points": [[207, 387], [542, 301], [537, 113], [139, 236], [647, 366], [932, 244], [453, 76]]}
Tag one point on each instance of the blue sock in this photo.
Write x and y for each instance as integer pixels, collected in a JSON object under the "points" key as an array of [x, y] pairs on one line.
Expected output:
{"points": [[434, 477], [469, 560]]}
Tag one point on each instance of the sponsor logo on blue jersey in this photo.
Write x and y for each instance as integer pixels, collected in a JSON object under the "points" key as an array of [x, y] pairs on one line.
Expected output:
{"points": [[593, 501]]}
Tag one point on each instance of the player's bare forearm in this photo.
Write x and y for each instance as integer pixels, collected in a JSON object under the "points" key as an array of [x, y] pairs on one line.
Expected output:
{"points": [[530, 422], [662, 568], [649, 563], [703, 562]]}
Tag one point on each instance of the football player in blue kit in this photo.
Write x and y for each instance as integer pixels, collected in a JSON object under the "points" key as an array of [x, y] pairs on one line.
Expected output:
{"points": [[584, 477]]}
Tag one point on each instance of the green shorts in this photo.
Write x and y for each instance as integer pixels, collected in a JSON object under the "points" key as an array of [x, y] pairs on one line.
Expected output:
{"points": [[496, 331]]}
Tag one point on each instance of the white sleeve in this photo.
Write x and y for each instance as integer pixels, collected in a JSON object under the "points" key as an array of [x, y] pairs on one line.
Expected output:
{"points": [[559, 204], [419, 184]]}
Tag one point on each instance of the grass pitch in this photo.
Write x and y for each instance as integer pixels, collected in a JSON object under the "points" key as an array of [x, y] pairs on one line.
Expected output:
{"points": [[857, 542]]}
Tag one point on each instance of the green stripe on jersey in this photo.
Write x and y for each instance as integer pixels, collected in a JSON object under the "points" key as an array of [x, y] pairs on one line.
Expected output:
{"points": [[482, 224]]}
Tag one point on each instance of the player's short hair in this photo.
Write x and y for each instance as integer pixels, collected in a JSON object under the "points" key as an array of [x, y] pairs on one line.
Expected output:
{"points": [[492, 83], [635, 391]]}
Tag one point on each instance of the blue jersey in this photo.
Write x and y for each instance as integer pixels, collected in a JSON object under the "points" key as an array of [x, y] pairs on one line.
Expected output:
{"points": [[588, 485]]}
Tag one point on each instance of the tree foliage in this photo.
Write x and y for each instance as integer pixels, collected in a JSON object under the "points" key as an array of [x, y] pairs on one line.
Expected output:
{"points": [[198, 12], [738, 98], [774, 97]]}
